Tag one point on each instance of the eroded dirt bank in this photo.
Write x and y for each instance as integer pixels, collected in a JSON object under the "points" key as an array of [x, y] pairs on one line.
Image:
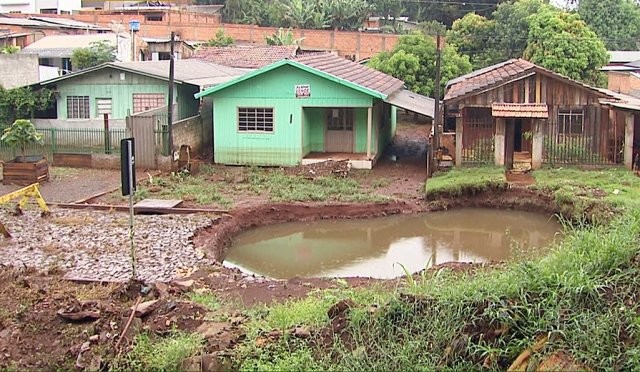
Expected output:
{"points": [[217, 237]]}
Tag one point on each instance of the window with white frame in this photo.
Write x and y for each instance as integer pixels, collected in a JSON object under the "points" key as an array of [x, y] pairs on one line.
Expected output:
{"points": [[255, 119], [147, 101], [78, 107], [570, 121]]}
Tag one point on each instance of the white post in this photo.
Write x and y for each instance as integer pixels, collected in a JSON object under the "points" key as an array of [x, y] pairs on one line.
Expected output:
{"points": [[458, 141], [628, 140], [499, 141], [369, 130]]}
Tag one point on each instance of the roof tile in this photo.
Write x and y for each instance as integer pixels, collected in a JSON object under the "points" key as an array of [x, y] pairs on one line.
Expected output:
{"points": [[246, 56]]}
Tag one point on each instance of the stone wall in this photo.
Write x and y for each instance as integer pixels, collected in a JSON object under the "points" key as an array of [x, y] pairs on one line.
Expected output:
{"points": [[189, 132]]}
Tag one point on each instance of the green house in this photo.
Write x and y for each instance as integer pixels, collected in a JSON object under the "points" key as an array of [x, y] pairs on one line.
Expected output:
{"points": [[119, 89], [308, 109]]}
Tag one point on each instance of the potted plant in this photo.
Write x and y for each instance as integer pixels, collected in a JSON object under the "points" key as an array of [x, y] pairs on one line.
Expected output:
{"points": [[23, 170]]}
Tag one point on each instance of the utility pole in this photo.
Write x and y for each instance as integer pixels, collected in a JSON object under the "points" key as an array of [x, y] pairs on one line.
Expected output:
{"points": [[436, 111], [171, 83]]}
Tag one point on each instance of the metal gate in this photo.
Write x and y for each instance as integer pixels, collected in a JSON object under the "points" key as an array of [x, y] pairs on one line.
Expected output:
{"points": [[149, 131]]}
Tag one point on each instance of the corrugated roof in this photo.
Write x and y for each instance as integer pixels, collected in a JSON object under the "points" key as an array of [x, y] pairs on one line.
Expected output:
{"points": [[520, 110], [70, 23], [623, 56], [62, 46], [22, 22], [415, 102], [352, 72], [502, 73], [190, 71], [246, 56]]}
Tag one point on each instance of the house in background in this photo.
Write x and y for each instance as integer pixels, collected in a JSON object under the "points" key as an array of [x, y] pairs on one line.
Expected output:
{"points": [[40, 6], [56, 50], [308, 109], [160, 49], [17, 70], [119, 89], [249, 56], [22, 30], [519, 115]]}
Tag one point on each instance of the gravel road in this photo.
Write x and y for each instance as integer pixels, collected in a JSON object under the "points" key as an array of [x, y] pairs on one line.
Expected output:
{"points": [[95, 245]]}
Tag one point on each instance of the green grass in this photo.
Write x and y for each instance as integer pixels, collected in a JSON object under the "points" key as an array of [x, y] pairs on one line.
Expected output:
{"points": [[207, 300], [282, 187], [161, 354], [582, 296], [581, 190], [459, 181]]}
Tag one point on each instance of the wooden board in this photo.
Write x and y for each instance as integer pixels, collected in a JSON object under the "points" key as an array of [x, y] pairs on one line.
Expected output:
{"points": [[158, 203], [72, 160], [25, 173]]}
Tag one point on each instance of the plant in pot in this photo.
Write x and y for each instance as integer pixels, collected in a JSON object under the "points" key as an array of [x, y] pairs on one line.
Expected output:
{"points": [[24, 169]]}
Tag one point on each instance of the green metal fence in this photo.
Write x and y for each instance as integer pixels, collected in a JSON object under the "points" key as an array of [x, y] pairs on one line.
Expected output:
{"points": [[74, 141]]}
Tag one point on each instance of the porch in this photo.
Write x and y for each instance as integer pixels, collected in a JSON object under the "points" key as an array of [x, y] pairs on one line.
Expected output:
{"points": [[356, 161]]}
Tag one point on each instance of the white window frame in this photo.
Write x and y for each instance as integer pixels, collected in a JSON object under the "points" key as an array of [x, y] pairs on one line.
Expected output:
{"points": [[256, 119], [568, 120], [78, 107]]}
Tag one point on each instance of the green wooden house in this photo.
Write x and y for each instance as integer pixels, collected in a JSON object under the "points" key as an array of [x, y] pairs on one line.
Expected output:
{"points": [[308, 109], [119, 89]]}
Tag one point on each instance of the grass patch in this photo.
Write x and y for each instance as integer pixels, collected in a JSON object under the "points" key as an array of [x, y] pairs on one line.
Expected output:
{"points": [[161, 354], [186, 187], [579, 192], [208, 300], [460, 181], [282, 187]]}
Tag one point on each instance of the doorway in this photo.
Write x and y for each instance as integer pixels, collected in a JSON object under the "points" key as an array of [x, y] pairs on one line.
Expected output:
{"points": [[518, 144], [339, 130]]}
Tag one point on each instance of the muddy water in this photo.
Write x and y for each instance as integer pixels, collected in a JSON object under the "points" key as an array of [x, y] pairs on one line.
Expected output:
{"points": [[374, 247]]}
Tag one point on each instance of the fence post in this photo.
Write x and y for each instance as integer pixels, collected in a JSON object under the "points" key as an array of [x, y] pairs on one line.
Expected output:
{"points": [[54, 144], [107, 135]]}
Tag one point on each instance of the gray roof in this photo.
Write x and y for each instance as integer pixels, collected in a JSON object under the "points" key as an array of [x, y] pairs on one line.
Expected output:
{"points": [[62, 46], [623, 56], [70, 23], [187, 71]]}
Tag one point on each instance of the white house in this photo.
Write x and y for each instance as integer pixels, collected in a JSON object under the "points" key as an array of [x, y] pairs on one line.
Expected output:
{"points": [[40, 6]]}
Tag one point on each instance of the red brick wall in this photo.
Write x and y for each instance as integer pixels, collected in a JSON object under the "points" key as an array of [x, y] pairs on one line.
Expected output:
{"points": [[201, 27], [623, 82]]}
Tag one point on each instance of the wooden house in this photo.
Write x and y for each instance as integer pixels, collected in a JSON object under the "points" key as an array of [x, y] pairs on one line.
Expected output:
{"points": [[308, 109], [518, 114]]}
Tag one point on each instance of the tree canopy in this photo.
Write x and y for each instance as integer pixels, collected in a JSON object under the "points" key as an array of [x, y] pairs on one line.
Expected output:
{"points": [[22, 103], [220, 40], [562, 42], [97, 53], [617, 22], [413, 60]]}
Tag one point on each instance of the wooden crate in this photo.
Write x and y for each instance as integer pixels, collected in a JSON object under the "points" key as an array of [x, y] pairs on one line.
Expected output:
{"points": [[25, 173]]}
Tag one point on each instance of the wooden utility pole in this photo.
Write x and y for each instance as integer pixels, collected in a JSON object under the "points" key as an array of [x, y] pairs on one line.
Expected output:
{"points": [[436, 92], [171, 84]]}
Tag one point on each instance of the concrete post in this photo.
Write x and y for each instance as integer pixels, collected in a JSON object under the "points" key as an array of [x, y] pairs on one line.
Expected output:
{"points": [[499, 141], [458, 141], [537, 143], [628, 140]]}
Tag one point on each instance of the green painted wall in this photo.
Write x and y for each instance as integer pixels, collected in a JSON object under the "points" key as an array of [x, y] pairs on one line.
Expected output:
{"points": [[298, 122], [107, 83]]}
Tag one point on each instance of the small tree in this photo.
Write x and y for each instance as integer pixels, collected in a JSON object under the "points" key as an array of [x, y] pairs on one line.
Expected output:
{"points": [[282, 37], [10, 49], [21, 133], [96, 54], [220, 40]]}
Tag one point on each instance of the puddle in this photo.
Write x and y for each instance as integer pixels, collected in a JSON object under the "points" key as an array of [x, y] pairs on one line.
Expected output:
{"points": [[374, 247]]}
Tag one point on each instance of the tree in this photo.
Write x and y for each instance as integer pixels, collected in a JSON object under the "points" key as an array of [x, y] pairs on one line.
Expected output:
{"points": [[282, 37], [562, 42], [21, 133], [96, 54], [617, 22], [413, 60], [348, 14], [512, 22], [473, 35], [220, 40], [22, 102]]}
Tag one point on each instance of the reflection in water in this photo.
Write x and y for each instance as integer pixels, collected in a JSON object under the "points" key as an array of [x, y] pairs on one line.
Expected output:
{"points": [[373, 247]]}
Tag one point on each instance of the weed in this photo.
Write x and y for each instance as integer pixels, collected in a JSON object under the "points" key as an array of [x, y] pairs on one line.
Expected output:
{"points": [[160, 354], [207, 300]]}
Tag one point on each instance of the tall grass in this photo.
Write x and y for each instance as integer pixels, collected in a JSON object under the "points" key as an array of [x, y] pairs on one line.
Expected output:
{"points": [[459, 181]]}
